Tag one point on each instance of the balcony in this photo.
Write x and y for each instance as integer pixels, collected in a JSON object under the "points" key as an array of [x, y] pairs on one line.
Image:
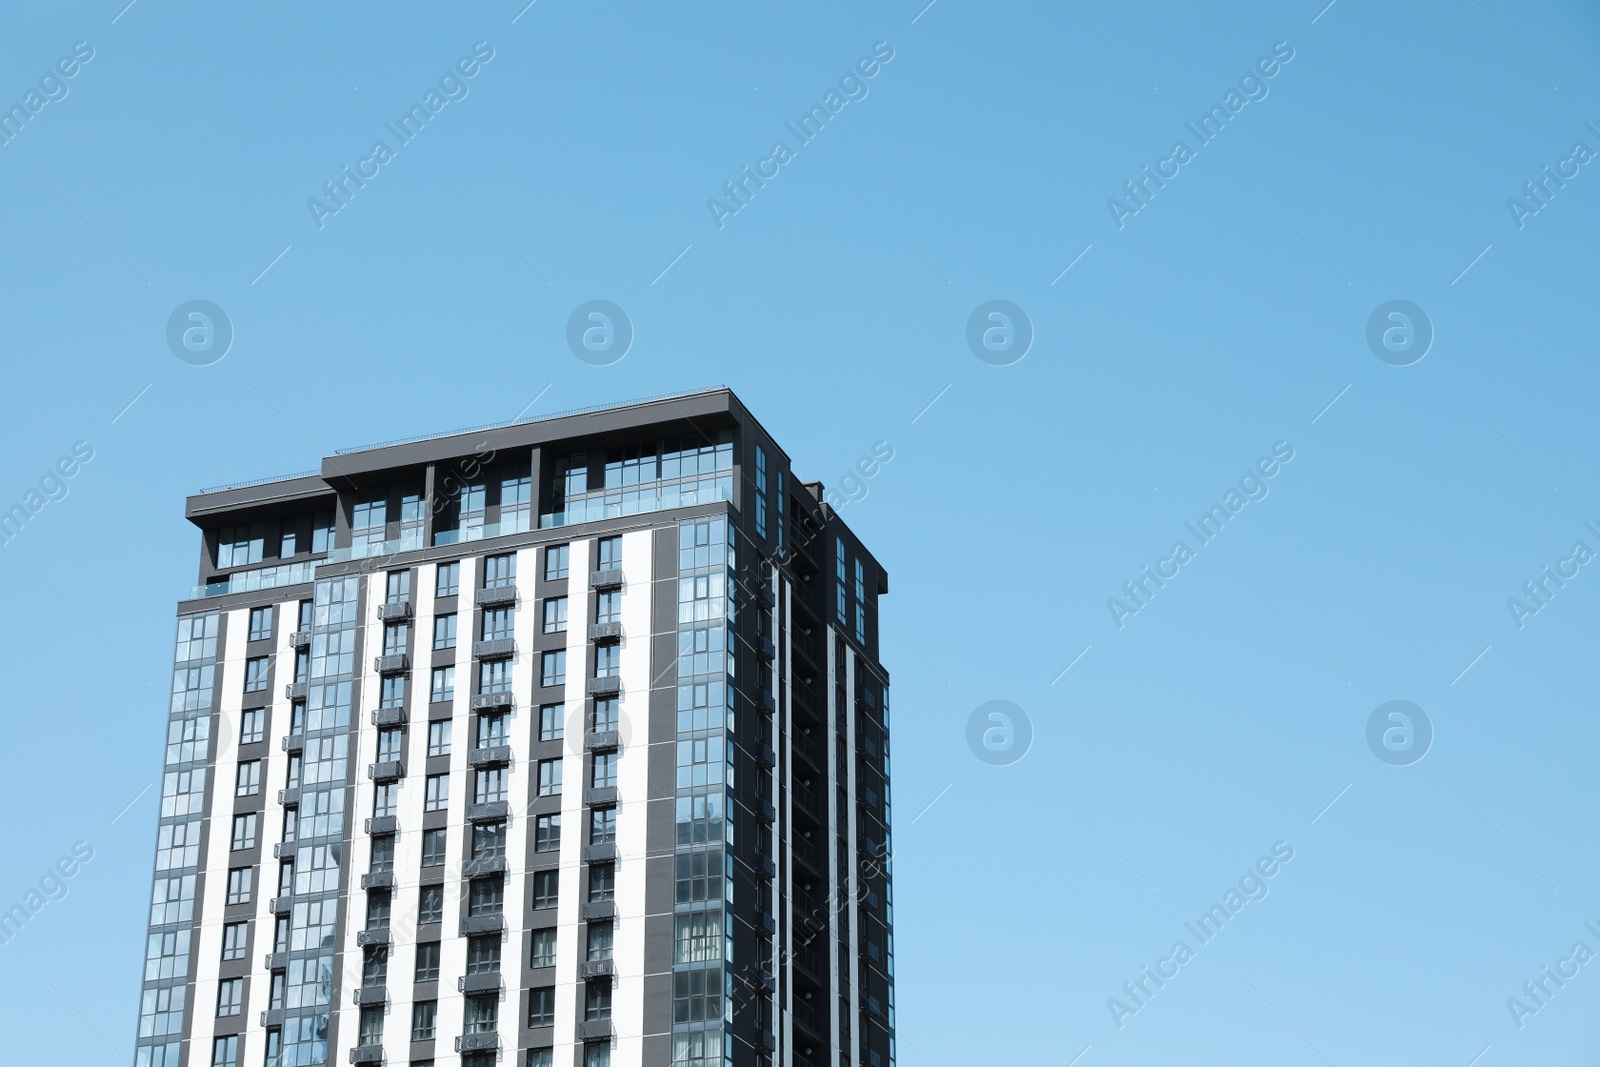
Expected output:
{"points": [[607, 578], [272, 1018], [768, 869], [610, 685], [386, 770], [488, 982], [516, 523], [366, 1053], [489, 756], [601, 740], [371, 994], [392, 663], [605, 794], [488, 811], [809, 853], [597, 909], [809, 803], [482, 924], [378, 880], [602, 631], [483, 865], [766, 649], [478, 1042], [381, 824], [766, 812], [767, 923], [295, 691], [596, 968], [388, 716], [300, 639], [768, 1040], [378, 935], [810, 1020], [767, 702], [408, 541], [590, 1029], [280, 905], [290, 797], [275, 961], [495, 648], [485, 701], [294, 742], [259, 578], [764, 593], [599, 853], [809, 748], [394, 609], [765, 756], [283, 850], [496, 596]]}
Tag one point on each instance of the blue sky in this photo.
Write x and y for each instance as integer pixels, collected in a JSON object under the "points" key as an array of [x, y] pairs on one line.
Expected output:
{"points": [[1227, 315]]}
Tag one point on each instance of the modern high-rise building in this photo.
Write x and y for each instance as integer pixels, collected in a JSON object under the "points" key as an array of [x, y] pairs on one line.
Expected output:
{"points": [[559, 742]]}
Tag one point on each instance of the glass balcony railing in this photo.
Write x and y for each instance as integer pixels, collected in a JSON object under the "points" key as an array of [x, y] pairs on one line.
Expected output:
{"points": [[406, 542], [657, 496], [516, 523], [259, 578]]}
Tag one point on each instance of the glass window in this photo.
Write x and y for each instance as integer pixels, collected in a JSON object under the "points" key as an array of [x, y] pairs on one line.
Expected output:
{"points": [[483, 954], [489, 841], [424, 1014], [392, 693], [443, 684], [541, 1057], [395, 637], [600, 941], [322, 532], [482, 1014], [430, 904], [397, 587], [251, 725], [550, 724], [389, 738], [444, 632], [553, 667], [761, 491], [244, 831], [385, 799], [490, 785], [555, 615], [500, 571], [494, 676], [439, 737], [427, 961], [605, 771], [224, 1051], [607, 660], [247, 781], [550, 777], [498, 623], [433, 845], [605, 714], [382, 854], [602, 881], [542, 1006], [545, 886], [492, 730], [447, 579], [610, 555], [230, 996], [544, 949], [603, 826], [235, 940], [555, 562], [597, 999], [255, 674], [260, 624], [375, 965], [437, 793], [240, 546], [240, 882], [370, 1027], [600, 1056], [547, 833], [608, 606], [486, 896]]}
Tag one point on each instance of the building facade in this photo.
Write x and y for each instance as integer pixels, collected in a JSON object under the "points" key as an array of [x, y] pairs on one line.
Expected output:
{"points": [[563, 742]]}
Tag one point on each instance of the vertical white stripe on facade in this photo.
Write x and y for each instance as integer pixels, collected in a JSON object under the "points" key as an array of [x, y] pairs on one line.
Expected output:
{"points": [[205, 946], [413, 795], [633, 796], [570, 890]]}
